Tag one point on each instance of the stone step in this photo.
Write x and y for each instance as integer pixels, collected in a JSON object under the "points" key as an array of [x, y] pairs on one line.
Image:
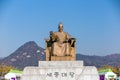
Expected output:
{"points": [[57, 64]]}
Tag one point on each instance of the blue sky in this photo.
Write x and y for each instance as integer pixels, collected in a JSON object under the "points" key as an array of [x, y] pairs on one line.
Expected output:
{"points": [[94, 23]]}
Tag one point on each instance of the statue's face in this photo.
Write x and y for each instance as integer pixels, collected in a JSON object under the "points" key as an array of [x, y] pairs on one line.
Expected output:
{"points": [[60, 27]]}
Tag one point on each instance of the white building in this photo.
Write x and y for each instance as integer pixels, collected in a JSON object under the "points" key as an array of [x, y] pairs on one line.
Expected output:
{"points": [[13, 75], [107, 74]]}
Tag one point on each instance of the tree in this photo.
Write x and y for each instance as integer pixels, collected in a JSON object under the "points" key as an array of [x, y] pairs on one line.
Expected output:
{"points": [[4, 69]]}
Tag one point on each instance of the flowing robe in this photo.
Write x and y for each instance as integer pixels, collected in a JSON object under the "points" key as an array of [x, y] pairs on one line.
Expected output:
{"points": [[61, 47]]}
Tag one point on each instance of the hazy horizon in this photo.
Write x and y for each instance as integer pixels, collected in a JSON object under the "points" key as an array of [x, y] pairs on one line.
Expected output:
{"points": [[76, 53]]}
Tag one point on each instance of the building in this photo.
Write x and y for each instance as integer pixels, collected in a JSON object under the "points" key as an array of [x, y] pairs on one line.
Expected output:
{"points": [[107, 74]]}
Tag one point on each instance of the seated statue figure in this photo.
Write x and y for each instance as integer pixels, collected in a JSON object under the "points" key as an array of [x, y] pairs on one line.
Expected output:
{"points": [[60, 44]]}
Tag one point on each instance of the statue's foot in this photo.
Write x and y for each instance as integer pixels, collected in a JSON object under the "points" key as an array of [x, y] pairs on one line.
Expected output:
{"points": [[54, 55], [67, 55]]}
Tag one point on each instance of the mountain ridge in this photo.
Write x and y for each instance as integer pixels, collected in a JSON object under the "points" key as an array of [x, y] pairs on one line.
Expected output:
{"points": [[26, 55], [30, 53]]}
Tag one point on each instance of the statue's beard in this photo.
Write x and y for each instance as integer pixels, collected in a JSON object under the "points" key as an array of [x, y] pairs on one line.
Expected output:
{"points": [[61, 30]]}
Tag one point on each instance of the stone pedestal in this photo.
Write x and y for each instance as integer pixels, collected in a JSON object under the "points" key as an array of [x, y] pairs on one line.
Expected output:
{"points": [[62, 58], [60, 70]]}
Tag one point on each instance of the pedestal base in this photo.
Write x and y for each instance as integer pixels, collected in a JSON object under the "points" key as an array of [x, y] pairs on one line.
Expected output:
{"points": [[60, 70]]}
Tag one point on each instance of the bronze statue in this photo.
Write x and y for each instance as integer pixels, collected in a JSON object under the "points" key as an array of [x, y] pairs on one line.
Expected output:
{"points": [[60, 45]]}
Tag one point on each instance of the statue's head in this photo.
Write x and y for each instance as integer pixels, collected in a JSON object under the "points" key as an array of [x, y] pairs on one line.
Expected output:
{"points": [[60, 27]]}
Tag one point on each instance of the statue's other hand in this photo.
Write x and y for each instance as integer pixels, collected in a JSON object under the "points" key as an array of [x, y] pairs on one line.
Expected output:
{"points": [[47, 40]]}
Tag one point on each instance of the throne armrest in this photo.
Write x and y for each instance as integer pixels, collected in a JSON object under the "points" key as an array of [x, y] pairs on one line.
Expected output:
{"points": [[48, 42], [73, 39], [72, 42]]}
